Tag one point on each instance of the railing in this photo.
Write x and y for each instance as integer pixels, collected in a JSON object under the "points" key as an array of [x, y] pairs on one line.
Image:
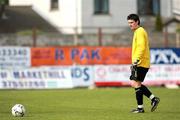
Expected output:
{"points": [[87, 36]]}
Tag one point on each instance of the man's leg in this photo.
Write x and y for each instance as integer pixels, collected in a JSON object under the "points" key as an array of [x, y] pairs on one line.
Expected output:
{"points": [[146, 91], [139, 97], [154, 100]]}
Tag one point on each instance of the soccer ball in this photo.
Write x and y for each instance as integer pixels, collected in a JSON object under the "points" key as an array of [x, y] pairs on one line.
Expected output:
{"points": [[18, 110]]}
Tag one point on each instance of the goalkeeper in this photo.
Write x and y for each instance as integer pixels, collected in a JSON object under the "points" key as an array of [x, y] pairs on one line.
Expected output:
{"points": [[140, 64]]}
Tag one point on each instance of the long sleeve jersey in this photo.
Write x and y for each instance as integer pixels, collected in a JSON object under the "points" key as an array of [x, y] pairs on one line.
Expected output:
{"points": [[140, 48]]}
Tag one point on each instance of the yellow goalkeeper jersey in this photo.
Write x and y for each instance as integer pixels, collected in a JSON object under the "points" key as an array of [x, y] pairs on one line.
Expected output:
{"points": [[140, 48]]}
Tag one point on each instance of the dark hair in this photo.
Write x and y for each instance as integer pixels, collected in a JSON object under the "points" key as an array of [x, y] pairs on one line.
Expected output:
{"points": [[134, 17]]}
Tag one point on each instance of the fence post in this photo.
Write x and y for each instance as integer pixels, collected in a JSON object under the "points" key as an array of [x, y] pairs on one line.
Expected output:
{"points": [[177, 39], [75, 36], [100, 36], [34, 36], [165, 37]]}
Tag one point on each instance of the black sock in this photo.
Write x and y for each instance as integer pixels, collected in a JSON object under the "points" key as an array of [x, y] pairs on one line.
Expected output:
{"points": [[139, 96], [145, 91]]}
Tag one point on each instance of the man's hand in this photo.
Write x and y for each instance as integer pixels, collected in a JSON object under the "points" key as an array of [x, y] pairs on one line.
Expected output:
{"points": [[134, 70], [136, 62]]}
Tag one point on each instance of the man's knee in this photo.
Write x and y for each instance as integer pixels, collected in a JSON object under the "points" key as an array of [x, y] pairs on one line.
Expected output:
{"points": [[135, 84]]}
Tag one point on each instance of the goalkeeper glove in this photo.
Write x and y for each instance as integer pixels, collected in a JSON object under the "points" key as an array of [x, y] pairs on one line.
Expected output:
{"points": [[134, 70]]}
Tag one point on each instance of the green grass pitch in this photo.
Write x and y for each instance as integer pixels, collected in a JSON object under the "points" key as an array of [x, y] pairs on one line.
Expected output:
{"points": [[85, 104]]}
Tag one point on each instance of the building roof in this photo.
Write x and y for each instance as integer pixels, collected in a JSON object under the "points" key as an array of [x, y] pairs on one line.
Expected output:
{"points": [[21, 18]]}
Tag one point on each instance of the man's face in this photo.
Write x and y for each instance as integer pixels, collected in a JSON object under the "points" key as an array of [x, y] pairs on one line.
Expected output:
{"points": [[133, 25]]}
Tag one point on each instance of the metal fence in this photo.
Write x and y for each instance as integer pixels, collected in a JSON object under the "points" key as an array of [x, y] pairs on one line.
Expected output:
{"points": [[88, 36]]}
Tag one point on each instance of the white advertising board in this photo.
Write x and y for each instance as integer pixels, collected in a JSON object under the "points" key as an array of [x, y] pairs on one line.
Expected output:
{"points": [[37, 78], [14, 57], [157, 75], [82, 76]]}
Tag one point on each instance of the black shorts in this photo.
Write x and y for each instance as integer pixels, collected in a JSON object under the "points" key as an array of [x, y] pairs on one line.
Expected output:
{"points": [[141, 73]]}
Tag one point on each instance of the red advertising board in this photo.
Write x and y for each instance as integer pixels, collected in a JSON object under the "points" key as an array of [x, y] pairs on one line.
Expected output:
{"points": [[42, 56], [80, 55]]}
